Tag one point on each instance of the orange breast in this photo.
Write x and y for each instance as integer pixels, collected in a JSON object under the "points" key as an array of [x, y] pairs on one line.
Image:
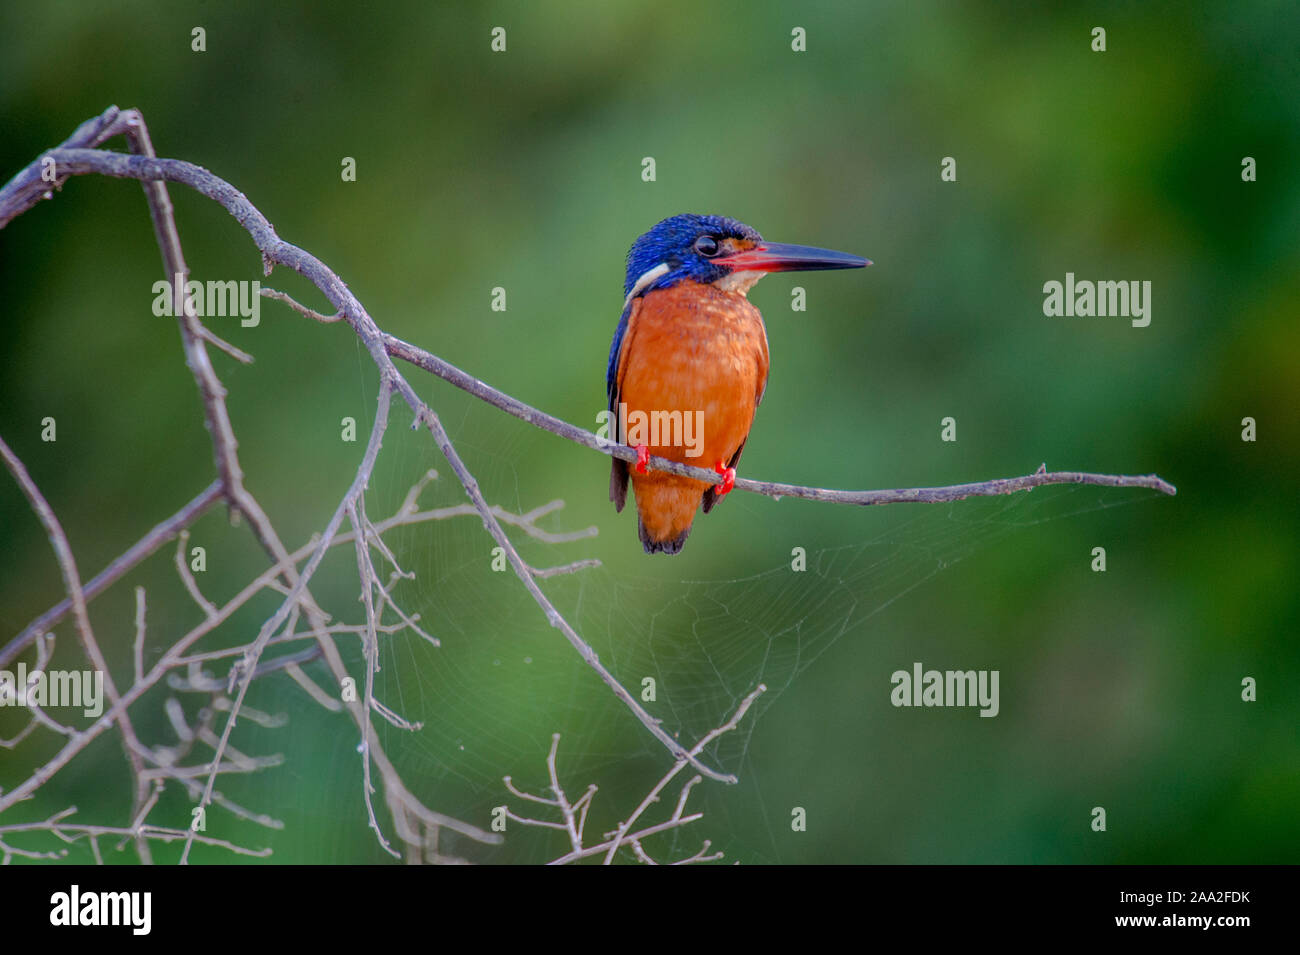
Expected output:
{"points": [[694, 366]]}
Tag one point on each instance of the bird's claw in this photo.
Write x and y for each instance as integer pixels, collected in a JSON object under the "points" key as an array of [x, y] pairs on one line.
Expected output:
{"points": [[642, 458], [728, 480]]}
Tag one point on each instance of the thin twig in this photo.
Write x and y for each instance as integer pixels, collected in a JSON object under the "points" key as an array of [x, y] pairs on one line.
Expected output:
{"points": [[370, 642], [573, 816], [187, 578], [72, 581], [279, 617], [625, 826], [137, 647], [61, 829], [117, 568]]}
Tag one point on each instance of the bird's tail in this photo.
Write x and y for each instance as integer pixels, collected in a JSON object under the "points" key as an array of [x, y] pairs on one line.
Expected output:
{"points": [[668, 546], [665, 509]]}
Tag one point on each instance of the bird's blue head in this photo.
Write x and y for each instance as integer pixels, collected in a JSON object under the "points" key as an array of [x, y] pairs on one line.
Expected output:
{"points": [[688, 244], [717, 250]]}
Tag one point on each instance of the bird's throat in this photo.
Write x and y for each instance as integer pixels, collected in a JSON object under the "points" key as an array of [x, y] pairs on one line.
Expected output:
{"points": [[738, 282]]}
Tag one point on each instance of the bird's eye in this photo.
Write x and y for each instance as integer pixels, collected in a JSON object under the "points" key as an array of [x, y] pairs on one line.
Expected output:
{"points": [[707, 246]]}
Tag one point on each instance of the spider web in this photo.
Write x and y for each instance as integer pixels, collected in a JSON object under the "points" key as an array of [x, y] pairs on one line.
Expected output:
{"points": [[503, 680]]}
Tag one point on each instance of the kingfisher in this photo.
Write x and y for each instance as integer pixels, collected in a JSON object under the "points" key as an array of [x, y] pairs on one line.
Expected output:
{"points": [[688, 364]]}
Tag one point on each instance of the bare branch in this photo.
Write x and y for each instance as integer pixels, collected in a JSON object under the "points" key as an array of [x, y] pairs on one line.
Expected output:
{"points": [[626, 825], [137, 648], [25, 190], [183, 570], [279, 617], [366, 574], [71, 832], [118, 568], [72, 580], [302, 309], [574, 815], [930, 495]]}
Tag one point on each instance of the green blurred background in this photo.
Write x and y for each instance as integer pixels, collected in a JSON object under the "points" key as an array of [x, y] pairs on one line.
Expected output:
{"points": [[522, 170]]}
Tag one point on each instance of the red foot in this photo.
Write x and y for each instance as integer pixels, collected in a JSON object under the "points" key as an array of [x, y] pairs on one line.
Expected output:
{"points": [[642, 458], [728, 480]]}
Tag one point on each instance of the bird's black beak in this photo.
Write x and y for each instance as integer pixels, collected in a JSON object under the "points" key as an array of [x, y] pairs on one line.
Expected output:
{"points": [[775, 257]]}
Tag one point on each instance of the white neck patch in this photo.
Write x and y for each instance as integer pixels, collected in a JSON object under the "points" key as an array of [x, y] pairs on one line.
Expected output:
{"points": [[647, 278]]}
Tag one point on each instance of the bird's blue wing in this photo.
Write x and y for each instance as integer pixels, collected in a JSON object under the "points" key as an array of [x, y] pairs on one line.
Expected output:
{"points": [[611, 370], [618, 469]]}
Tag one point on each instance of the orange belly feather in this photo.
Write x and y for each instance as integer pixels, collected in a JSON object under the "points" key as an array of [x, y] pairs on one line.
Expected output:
{"points": [[690, 348]]}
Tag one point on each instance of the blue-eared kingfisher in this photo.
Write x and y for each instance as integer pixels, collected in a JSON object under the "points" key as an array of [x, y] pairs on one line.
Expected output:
{"points": [[688, 364]]}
